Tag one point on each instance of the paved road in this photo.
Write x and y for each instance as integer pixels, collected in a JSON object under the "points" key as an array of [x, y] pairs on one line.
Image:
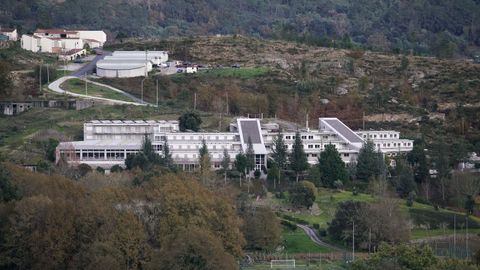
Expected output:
{"points": [[55, 86], [90, 67], [313, 236]]}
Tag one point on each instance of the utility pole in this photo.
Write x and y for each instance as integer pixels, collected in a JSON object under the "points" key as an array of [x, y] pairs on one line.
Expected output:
{"points": [[157, 93], [363, 120], [40, 78], [195, 101], [48, 75], [455, 233], [466, 236], [86, 85], [142, 88], [228, 109], [353, 242]]}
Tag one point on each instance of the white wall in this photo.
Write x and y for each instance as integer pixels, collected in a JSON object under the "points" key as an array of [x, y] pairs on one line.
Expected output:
{"points": [[70, 44], [96, 35], [29, 43]]}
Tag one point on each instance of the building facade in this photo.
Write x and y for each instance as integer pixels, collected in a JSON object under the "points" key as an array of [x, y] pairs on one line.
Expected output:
{"points": [[59, 41], [107, 143], [128, 64]]}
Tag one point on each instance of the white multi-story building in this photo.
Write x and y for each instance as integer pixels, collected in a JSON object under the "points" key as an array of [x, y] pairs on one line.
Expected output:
{"points": [[60, 40], [107, 143]]}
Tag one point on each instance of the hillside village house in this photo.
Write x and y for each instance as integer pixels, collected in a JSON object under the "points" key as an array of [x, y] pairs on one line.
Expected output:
{"points": [[60, 41], [10, 33], [107, 143]]}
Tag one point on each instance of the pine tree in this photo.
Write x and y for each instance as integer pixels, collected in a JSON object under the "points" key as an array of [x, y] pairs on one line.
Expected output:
{"points": [[204, 161], [279, 154], [225, 163], [298, 158], [370, 163], [241, 164], [250, 154], [331, 166], [418, 161], [167, 156]]}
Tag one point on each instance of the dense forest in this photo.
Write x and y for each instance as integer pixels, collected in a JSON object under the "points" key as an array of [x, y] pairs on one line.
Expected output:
{"points": [[438, 27]]}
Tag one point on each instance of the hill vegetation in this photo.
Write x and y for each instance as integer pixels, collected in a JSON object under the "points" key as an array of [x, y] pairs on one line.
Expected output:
{"points": [[443, 28]]}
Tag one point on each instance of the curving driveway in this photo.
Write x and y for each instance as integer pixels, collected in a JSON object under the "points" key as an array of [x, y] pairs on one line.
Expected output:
{"points": [[313, 236], [55, 86]]}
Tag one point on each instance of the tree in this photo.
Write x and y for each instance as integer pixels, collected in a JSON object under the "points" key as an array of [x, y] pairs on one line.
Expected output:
{"points": [[190, 121], [8, 190], [331, 166], [403, 178], [225, 163], [298, 158], [241, 164], [341, 226], [145, 158], [303, 194], [369, 163], [167, 159], [204, 161], [192, 248], [261, 229], [279, 154], [5, 78], [250, 155], [418, 161]]}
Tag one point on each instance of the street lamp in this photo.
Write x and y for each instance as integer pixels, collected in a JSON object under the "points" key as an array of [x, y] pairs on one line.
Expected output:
{"points": [[143, 80]]}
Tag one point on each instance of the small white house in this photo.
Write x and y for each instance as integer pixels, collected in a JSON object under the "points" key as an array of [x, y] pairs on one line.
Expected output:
{"points": [[191, 69], [72, 54], [11, 33]]}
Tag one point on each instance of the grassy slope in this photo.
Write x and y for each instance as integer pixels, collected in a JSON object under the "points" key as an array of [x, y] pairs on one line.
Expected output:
{"points": [[298, 242], [328, 201], [77, 86]]}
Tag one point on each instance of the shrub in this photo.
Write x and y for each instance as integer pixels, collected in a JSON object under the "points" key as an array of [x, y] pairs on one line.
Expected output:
{"points": [[322, 232], [288, 225], [316, 226]]}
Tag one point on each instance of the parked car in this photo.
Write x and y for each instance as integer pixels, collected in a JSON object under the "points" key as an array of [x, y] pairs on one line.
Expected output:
{"points": [[78, 61], [236, 66], [179, 70]]}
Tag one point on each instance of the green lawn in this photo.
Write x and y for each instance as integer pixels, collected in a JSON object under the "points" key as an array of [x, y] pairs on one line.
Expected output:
{"points": [[243, 73], [77, 86], [298, 242]]}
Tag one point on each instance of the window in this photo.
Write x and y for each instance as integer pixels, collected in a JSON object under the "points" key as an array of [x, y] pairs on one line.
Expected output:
{"points": [[304, 137], [310, 137], [310, 146], [375, 136], [314, 155], [288, 137], [317, 146], [346, 155]]}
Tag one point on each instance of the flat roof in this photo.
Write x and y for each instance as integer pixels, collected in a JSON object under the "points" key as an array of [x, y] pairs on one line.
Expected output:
{"points": [[115, 121], [102, 144]]}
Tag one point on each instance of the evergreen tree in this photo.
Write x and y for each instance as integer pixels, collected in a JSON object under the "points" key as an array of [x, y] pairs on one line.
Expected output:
{"points": [[250, 154], [167, 159], [279, 154], [225, 163], [418, 160], [370, 163], [204, 161], [190, 121], [331, 166], [403, 178], [298, 158], [241, 162]]}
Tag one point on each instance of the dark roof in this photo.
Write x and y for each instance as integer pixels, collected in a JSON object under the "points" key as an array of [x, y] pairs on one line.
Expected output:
{"points": [[344, 130], [250, 129]]}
